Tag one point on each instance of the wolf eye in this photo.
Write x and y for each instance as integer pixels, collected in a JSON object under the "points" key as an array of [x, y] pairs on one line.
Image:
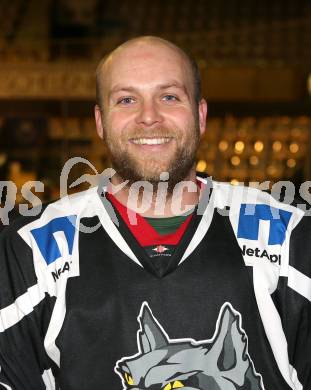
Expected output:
{"points": [[174, 385], [129, 379]]}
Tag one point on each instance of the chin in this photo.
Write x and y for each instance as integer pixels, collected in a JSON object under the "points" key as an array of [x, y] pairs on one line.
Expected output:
{"points": [[152, 171]]}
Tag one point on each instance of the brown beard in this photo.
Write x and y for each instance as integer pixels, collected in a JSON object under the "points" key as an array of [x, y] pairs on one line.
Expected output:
{"points": [[178, 168]]}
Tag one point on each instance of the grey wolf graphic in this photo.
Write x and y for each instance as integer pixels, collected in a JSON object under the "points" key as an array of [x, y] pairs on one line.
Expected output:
{"points": [[221, 363]]}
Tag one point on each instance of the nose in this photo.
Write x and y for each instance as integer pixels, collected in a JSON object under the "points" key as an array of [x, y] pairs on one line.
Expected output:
{"points": [[149, 114]]}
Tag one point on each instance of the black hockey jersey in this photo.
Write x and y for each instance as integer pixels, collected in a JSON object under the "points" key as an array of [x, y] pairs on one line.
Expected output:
{"points": [[81, 306]]}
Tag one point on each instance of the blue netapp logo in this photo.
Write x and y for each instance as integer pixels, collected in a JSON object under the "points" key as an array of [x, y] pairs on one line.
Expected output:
{"points": [[46, 241], [251, 214]]}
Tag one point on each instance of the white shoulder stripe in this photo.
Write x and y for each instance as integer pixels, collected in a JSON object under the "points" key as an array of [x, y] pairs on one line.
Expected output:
{"points": [[4, 385], [299, 282], [22, 306], [273, 326], [201, 229], [48, 380]]}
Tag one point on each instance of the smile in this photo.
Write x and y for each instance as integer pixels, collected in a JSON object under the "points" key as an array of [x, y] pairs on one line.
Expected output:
{"points": [[150, 141]]}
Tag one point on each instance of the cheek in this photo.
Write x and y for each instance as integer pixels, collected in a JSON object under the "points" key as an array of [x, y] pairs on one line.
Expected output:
{"points": [[118, 122], [182, 117]]}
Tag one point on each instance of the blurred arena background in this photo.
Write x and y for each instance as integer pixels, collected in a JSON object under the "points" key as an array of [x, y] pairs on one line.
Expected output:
{"points": [[254, 57]]}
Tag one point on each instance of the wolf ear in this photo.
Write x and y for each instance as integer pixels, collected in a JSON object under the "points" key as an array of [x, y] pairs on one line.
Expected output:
{"points": [[229, 348], [151, 336]]}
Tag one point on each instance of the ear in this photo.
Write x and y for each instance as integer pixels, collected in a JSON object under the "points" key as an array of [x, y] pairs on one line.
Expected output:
{"points": [[202, 115], [151, 336], [231, 342], [229, 349], [99, 121]]}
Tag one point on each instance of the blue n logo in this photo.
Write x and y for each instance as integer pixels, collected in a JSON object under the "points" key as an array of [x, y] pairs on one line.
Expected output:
{"points": [[45, 239], [249, 222]]}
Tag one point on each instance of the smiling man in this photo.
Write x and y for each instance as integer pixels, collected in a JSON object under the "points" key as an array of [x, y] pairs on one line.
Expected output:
{"points": [[142, 118], [215, 298]]}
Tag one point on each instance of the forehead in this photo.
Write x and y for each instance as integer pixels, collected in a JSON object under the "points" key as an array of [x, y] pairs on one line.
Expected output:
{"points": [[145, 65]]}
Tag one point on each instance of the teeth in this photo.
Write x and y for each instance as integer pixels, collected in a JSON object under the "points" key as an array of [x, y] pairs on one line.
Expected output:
{"points": [[150, 141]]}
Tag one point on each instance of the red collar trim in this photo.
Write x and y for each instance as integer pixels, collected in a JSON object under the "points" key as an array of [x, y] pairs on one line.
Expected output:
{"points": [[145, 234]]}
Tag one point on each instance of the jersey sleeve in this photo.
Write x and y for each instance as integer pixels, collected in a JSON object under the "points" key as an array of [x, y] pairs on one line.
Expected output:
{"points": [[25, 310], [293, 299]]}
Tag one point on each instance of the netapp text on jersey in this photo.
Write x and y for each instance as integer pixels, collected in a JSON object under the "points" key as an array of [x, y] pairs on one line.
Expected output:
{"points": [[262, 254], [56, 275]]}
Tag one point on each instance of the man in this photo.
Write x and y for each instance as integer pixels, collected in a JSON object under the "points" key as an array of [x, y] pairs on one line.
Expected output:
{"points": [[159, 279], [141, 117]]}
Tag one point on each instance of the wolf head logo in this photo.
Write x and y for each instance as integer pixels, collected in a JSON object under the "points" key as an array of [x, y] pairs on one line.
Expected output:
{"points": [[221, 363]]}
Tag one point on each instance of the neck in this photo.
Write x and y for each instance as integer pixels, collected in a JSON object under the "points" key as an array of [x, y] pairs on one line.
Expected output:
{"points": [[154, 200]]}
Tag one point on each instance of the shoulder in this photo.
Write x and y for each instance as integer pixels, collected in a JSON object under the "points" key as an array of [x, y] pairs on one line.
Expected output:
{"points": [[42, 247], [60, 215], [245, 200], [265, 228]]}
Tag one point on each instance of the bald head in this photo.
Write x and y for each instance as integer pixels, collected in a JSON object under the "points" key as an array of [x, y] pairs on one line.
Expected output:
{"points": [[154, 45]]}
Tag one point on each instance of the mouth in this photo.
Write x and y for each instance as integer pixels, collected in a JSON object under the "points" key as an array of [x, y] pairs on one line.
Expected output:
{"points": [[151, 141]]}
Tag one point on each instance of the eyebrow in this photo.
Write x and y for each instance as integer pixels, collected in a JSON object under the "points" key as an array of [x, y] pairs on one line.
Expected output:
{"points": [[173, 84]]}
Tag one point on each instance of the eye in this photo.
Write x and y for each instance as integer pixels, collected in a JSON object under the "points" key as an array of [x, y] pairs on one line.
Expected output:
{"points": [[170, 98], [174, 385], [129, 379], [126, 100]]}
